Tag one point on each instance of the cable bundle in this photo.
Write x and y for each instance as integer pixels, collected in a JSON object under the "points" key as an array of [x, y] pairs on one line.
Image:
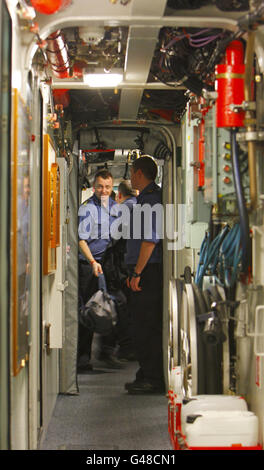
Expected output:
{"points": [[230, 256], [221, 257], [162, 152], [209, 256]]}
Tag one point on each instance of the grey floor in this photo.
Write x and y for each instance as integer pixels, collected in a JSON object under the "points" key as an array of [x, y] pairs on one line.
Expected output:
{"points": [[104, 417]]}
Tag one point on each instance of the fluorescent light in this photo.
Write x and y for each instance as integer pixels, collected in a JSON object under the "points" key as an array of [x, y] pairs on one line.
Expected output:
{"points": [[100, 80]]}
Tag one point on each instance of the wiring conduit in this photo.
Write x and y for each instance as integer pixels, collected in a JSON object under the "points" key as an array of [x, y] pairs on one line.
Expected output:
{"points": [[243, 214]]}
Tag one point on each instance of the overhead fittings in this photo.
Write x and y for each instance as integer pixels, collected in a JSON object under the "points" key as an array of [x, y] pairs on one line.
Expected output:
{"points": [[245, 106], [24, 11], [248, 136]]}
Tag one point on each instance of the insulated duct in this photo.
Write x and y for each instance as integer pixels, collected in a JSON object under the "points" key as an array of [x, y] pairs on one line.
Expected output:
{"points": [[57, 55]]}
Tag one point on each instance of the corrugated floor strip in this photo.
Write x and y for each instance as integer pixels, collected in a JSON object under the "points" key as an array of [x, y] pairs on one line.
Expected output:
{"points": [[104, 417]]}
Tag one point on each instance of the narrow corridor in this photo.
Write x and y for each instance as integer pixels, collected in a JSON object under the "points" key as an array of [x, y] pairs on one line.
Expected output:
{"points": [[104, 417]]}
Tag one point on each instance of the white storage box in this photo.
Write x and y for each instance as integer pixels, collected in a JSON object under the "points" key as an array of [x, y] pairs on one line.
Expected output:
{"points": [[222, 429], [211, 402]]}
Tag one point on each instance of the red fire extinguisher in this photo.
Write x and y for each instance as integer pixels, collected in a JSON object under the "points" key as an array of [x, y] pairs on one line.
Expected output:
{"points": [[230, 87], [48, 7]]}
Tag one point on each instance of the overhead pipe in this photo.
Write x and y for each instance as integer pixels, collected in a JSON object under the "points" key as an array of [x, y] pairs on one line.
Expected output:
{"points": [[57, 54]]}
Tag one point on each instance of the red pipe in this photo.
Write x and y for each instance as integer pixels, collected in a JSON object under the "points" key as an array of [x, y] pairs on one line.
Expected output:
{"points": [[57, 54]]}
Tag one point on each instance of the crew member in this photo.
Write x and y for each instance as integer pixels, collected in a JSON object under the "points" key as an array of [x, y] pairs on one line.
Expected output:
{"points": [[95, 218], [144, 259]]}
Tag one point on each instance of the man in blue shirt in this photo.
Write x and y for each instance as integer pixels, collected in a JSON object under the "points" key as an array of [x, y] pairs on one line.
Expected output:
{"points": [[95, 218], [144, 259]]}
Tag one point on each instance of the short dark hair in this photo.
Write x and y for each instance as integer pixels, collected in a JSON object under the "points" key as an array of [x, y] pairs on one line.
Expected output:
{"points": [[147, 165], [125, 189], [103, 173]]}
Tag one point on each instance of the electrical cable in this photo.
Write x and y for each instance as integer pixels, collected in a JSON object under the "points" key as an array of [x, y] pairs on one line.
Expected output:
{"points": [[182, 56], [209, 255], [162, 152], [230, 257], [243, 213]]}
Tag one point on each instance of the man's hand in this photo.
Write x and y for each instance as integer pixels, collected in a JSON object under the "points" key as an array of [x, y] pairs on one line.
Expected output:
{"points": [[97, 268], [133, 283]]}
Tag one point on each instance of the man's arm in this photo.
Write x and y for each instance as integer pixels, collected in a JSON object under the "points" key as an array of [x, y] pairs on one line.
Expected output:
{"points": [[97, 268], [145, 252]]}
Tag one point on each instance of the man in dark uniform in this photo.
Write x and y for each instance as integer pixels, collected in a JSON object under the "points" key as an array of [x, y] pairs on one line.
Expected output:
{"points": [[144, 259], [95, 218]]}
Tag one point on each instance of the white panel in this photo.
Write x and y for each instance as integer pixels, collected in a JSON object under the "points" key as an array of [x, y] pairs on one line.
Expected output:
{"points": [[140, 48], [55, 306], [258, 254], [148, 7], [197, 233], [129, 103]]}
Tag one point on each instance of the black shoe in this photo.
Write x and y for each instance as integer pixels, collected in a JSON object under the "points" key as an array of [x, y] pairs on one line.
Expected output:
{"points": [[127, 357], [141, 388], [129, 384], [112, 362], [82, 368]]}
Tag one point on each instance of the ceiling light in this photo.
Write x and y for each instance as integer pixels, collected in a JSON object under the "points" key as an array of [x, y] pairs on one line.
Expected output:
{"points": [[100, 80]]}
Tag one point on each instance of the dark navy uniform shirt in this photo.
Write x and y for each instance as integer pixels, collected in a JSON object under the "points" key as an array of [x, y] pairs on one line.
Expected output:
{"points": [[151, 230], [94, 222]]}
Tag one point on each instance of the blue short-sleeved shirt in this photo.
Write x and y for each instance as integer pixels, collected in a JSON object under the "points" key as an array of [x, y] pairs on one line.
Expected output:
{"points": [[130, 201], [121, 227], [146, 226], [94, 222]]}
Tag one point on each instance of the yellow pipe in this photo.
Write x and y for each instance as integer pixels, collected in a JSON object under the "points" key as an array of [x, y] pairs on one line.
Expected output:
{"points": [[250, 120]]}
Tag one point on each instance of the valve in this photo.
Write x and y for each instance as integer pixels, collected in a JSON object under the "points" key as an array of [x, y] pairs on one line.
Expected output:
{"points": [[213, 333]]}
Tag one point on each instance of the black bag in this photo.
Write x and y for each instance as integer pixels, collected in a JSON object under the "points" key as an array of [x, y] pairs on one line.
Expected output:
{"points": [[99, 313], [114, 267]]}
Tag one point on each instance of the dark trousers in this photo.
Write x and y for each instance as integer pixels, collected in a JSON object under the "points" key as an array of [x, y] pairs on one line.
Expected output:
{"points": [[88, 285], [123, 327], [146, 312]]}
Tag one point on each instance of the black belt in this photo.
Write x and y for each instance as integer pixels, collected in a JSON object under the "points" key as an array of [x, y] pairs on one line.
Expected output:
{"points": [[83, 261]]}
